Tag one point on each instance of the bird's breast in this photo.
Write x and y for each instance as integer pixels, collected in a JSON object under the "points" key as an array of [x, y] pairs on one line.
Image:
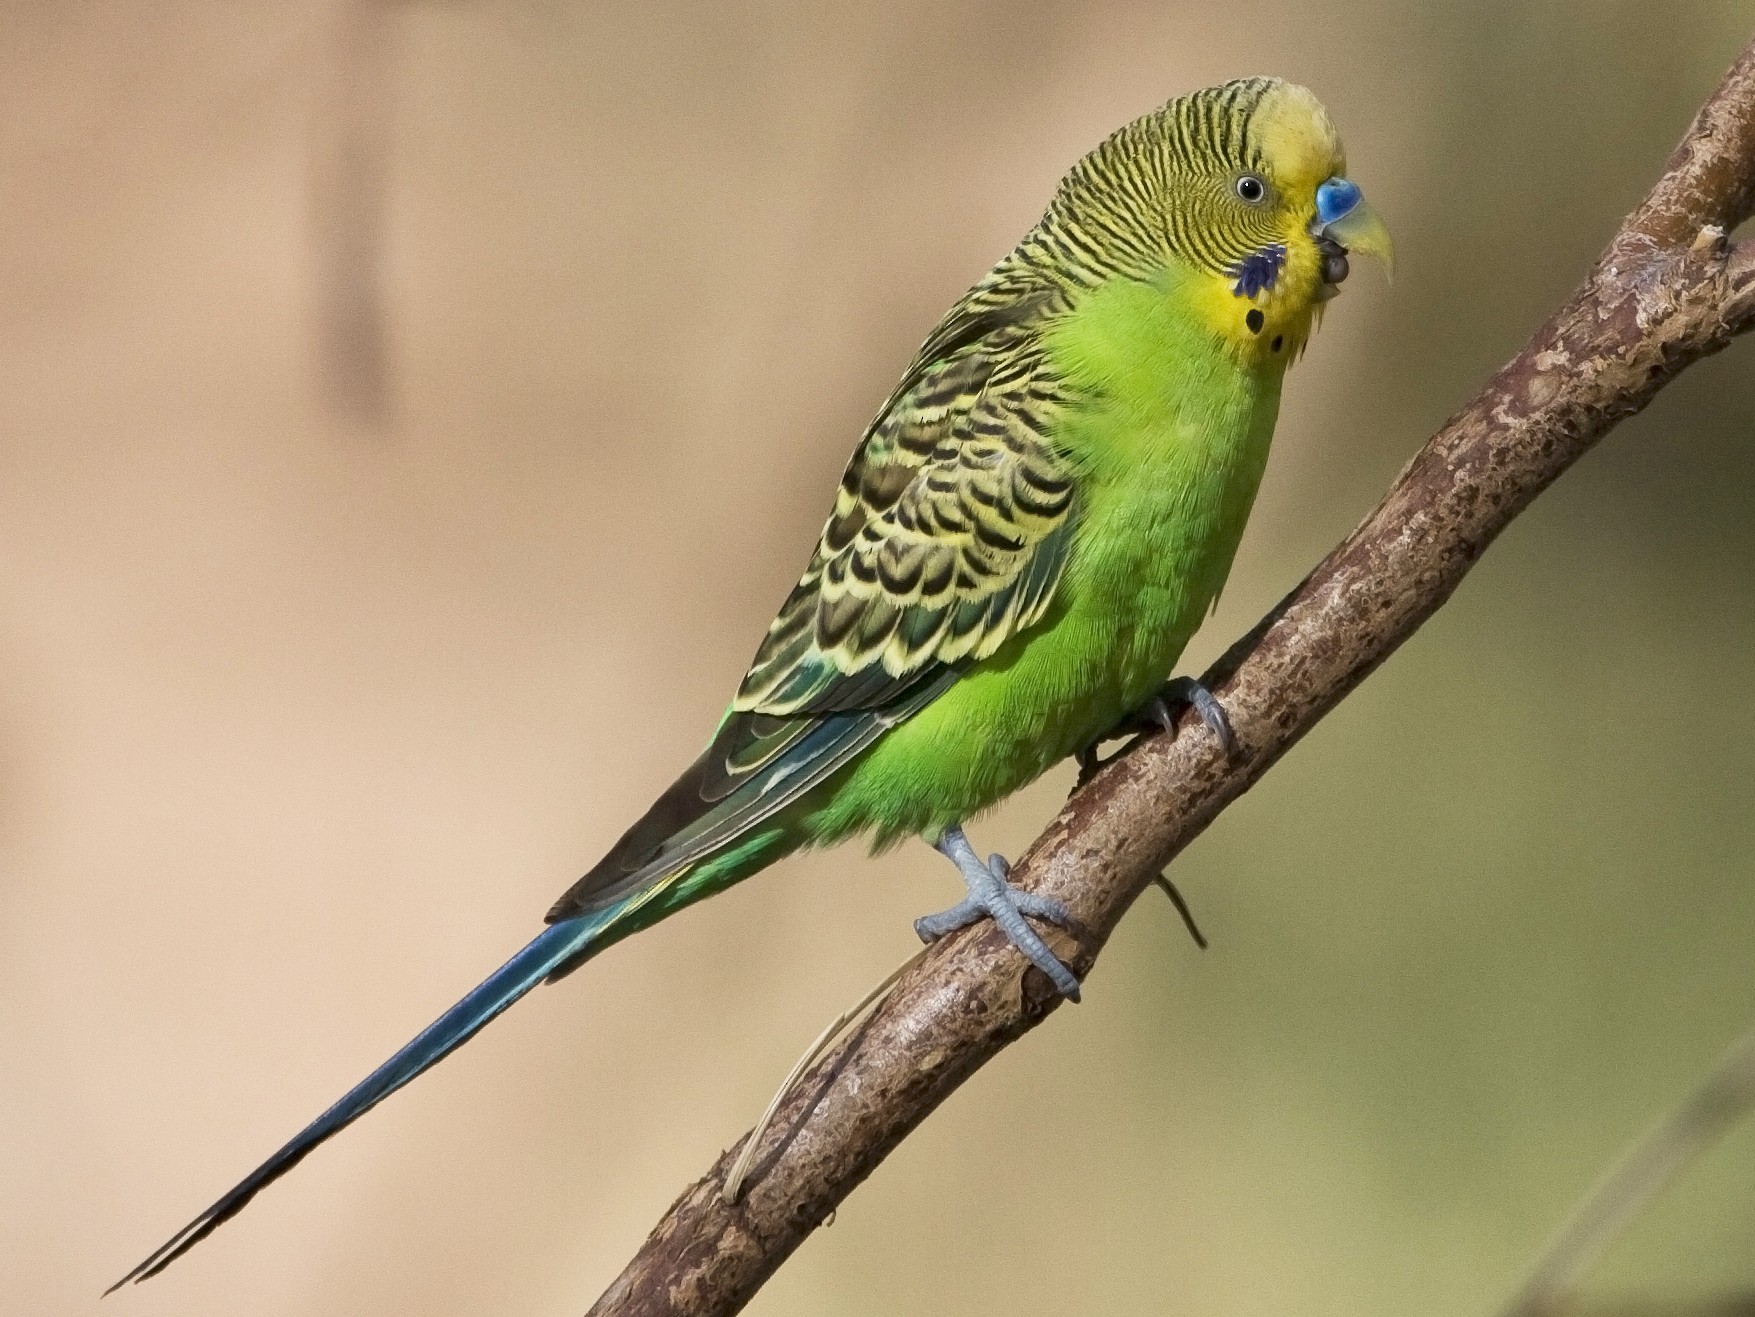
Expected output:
{"points": [[1172, 441]]}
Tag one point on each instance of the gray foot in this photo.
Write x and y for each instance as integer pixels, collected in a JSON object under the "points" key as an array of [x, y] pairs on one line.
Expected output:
{"points": [[1160, 712], [992, 897], [1186, 690]]}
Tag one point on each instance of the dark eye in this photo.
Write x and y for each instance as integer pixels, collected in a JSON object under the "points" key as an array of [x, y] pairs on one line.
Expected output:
{"points": [[1251, 189]]}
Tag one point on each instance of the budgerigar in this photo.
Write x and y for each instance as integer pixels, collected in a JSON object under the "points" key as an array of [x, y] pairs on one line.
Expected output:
{"points": [[1026, 537]]}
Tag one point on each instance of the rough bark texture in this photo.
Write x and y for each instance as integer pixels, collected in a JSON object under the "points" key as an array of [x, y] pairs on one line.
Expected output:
{"points": [[1668, 291]]}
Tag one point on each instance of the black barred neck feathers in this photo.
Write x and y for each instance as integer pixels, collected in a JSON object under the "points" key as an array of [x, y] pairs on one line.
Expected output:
{"points": [[1221, 182]]}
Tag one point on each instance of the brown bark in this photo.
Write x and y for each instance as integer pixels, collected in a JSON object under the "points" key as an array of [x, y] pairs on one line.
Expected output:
{"points": [[1668, 291]]}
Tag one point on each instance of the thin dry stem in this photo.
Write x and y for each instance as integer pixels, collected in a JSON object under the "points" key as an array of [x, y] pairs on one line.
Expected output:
{"points": [[1723, 1098]]}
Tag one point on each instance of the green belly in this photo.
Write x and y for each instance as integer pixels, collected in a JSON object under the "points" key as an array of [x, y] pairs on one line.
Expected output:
{"points": [[1171, 444]]}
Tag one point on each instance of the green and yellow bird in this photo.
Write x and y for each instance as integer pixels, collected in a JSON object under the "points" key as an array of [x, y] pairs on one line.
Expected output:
{"points": [[1026, 537]]}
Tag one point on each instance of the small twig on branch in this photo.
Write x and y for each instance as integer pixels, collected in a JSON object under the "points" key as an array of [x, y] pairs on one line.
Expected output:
{"points": [[1668, 291], [1723, 1098], [733, 1184]]}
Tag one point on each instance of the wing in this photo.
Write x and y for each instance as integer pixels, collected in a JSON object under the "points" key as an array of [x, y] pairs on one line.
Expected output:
{"points": [[949, 533], [951, 528]]}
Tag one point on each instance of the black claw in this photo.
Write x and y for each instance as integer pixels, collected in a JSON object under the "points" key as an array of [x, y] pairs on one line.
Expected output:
{"points": [[1090, 762], [1159, 713], [1186, 690]]}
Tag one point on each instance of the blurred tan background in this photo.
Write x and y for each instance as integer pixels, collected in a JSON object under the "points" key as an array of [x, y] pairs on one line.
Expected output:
{"points": [[305, 715]]}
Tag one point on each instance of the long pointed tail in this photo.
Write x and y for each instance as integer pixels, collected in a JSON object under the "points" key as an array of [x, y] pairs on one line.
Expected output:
{"points": [[568, 941]]}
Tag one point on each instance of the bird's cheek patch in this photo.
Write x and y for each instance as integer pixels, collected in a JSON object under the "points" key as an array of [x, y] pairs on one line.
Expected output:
{"points": [[1259, 271]]}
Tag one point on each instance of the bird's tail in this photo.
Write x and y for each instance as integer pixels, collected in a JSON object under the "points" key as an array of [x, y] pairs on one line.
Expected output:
{"points": [[568, 943]]}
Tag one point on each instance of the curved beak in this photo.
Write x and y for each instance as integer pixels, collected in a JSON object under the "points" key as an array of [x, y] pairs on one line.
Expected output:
{"points": [[1345, 223]]}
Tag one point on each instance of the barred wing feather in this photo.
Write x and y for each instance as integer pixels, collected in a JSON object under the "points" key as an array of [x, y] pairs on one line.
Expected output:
{"points": [[950, 531]]}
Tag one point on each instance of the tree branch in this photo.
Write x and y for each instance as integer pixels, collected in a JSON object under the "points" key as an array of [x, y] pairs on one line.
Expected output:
{"points": [[1668, 291]]}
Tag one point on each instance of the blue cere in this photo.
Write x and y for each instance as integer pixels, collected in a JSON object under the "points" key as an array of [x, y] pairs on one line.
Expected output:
{"points": [[1335, 198], [1258, 270]]}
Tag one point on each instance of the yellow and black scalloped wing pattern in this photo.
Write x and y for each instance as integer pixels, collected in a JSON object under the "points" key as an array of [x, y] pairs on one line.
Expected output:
{"points": [[933, 558], [950, 530]]}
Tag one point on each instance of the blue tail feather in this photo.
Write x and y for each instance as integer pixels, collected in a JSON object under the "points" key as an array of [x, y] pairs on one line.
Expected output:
{"points": [[568, 941]]}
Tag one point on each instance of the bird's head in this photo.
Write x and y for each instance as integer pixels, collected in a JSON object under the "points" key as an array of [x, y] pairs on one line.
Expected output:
{"points": [[1243, 188]]}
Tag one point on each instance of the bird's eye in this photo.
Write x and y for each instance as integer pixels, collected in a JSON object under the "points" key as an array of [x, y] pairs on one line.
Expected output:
{"points": [[1251, 189]]}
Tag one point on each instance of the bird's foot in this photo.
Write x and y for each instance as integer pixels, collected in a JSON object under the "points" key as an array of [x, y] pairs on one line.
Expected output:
{"points": [[992, 897], [1089, 761], [1160, 713], [1186, 690]]}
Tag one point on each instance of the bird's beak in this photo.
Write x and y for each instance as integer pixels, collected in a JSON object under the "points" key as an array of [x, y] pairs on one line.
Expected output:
{"points": [[1345, 223]]}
